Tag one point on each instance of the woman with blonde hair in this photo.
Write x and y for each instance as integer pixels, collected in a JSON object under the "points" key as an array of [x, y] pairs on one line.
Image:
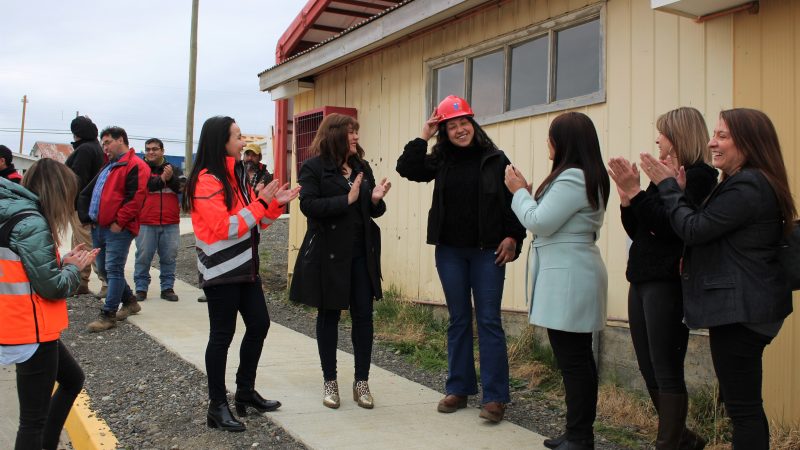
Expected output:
{"points": [[732, 282], [34, 282], [655, 301], [339, 265]]}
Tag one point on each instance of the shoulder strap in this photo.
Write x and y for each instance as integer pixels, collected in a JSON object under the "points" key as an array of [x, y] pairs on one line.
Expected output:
{"points": [[8, 225]]}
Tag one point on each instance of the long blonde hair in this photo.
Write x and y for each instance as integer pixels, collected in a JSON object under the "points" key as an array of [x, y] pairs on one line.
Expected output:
{"points": [[56, 185], [686, 129]]}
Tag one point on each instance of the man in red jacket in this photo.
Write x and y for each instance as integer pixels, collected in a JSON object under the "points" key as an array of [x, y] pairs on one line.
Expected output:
{"points": [[159, 223], [112, 203], [7, 169]]}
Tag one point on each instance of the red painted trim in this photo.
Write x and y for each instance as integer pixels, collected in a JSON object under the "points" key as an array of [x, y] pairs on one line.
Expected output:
{"points": [[294, 34], [279, 143]]}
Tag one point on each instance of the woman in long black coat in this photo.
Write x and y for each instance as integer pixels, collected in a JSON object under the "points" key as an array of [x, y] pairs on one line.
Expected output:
{"points": [[338, 266]]}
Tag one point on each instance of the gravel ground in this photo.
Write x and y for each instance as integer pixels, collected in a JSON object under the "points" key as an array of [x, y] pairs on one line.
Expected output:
{"points": [[144, 391]]}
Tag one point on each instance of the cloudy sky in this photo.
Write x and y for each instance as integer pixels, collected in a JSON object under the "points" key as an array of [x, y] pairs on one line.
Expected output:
{"points": [[125, 62]]}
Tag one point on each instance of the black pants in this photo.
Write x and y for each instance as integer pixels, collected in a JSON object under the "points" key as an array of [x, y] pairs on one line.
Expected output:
{"points": [[224, 301], [573, 352], [41, 417], [737, 353], [655, 311], [362, 332]]}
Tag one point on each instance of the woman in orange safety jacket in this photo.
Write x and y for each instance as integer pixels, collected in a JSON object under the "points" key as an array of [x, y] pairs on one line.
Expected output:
{"points": [[227, 215], [34, 282]]}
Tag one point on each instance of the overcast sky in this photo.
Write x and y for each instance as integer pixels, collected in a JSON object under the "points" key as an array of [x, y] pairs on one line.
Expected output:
{"points": [[125, 63]]}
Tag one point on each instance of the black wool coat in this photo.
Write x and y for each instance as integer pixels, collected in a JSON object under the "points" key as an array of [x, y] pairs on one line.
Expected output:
{"points": [[321, 277]]}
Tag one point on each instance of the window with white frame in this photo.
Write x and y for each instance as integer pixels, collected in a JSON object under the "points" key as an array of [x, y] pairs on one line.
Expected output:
{"points": [[558, 64]]}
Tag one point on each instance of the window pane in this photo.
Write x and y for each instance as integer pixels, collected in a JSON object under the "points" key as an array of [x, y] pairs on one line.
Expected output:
{"points": [[449, 80], [487, 84], [529, 74], [578, 60]]}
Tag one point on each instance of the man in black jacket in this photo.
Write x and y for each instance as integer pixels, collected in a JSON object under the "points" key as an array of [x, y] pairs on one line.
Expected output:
{"points": [[86, 160]]}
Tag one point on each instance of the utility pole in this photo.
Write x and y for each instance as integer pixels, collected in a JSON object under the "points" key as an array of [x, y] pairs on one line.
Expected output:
{"points": [[22, 128], [192, 87]]}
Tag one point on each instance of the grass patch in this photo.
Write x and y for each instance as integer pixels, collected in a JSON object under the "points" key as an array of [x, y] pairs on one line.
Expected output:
{"points": [[411, 330]]}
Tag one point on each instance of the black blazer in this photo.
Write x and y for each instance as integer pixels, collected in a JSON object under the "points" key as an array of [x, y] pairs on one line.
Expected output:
{"points": [[321, 275], [730, 272]]}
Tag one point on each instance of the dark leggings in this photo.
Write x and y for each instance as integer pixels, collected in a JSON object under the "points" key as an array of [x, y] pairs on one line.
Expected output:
{"points": [[573, 352], [362, 331], [224, 302], [655, 311], [41, 417], [737, 353]]}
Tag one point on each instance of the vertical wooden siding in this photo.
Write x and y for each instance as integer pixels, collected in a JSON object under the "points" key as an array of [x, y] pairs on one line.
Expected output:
{"points": [[655, 62], [767, 77]]}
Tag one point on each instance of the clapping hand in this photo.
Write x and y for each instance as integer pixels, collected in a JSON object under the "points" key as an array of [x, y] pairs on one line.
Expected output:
{"points": [[79, 257], [659, 171], [285, 195], [626, 176], [352, 196], [380, 191], [515, 181]]}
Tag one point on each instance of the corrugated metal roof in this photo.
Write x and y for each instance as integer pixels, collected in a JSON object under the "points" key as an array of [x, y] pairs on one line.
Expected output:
{"points": [[323, 21], [51, 150]]}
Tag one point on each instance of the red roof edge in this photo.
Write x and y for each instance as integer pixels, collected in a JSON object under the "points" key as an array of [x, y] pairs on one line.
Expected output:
{"points": [[291, 37]]}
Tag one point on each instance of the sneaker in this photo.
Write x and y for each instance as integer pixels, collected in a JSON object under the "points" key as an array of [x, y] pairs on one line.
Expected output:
{"points": [[169, 295], [83, 290], [128, 309], [141, 296], [103, 292], [105, 321]]}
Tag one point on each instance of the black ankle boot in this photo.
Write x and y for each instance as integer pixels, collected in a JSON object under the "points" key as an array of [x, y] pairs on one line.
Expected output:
{"points": [[219, 416], [245, 398], [556, 441]]}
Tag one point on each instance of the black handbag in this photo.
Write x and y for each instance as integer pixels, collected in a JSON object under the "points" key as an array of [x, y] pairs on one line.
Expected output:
{"points": [[789, 257]]}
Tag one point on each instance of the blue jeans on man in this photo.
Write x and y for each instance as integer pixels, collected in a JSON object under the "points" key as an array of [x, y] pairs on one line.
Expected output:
{"points": [[468, 273], [111, 264], [151, 239]]}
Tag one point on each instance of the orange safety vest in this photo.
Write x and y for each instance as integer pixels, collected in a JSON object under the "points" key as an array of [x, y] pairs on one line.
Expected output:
{"points": [[25, 316]]}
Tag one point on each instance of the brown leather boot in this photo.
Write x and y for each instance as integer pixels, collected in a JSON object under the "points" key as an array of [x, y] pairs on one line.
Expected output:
{"points": [[493, 411], [105, 321], [452, 403], [129, 308]]}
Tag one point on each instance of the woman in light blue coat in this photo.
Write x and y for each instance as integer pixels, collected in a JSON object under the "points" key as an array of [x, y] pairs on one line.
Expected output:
{"points": [[568, 278]]}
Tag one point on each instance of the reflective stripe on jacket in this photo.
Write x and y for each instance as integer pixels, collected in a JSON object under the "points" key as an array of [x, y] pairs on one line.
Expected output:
{"points": [[25, 316], [227, 240]]}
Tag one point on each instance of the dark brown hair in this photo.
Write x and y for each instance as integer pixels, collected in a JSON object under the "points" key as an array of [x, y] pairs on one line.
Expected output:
{"points": [[575, 145], [754, 135], [331, 141]]}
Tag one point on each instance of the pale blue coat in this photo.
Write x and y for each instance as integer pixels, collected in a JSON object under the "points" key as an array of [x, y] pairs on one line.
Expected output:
{"points": [[567, 278]]}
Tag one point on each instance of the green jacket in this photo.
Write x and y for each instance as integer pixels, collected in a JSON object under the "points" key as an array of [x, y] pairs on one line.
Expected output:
{"points": [[32, 240]]}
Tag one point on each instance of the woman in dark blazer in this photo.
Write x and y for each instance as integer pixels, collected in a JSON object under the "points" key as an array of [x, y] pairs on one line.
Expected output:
{"points": [[338, 266], [732, 282]]}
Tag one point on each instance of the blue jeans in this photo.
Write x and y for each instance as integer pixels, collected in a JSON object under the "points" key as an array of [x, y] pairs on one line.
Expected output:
{"points": [[152, 238], [111, 263], [465, 270]]}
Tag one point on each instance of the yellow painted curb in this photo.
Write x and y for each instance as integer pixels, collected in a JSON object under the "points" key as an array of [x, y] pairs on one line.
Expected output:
{"points": [[85, 429]]}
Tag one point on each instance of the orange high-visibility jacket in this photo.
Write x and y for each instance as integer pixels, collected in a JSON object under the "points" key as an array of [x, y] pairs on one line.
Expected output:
{"points": [[25, 316]]}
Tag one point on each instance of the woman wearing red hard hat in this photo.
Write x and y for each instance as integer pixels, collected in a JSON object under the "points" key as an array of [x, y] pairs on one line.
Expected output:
{"points": [[475, 233]]}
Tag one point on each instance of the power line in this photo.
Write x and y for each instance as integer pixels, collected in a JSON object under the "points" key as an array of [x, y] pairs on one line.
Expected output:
{"points": [[54, 131]]}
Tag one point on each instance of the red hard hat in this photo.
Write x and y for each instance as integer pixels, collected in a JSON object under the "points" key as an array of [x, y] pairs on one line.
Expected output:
{"points": [[453, 106]]}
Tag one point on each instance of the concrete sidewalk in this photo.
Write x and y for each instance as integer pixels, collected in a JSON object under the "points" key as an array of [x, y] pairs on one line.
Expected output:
{"points": [[405, 412]]}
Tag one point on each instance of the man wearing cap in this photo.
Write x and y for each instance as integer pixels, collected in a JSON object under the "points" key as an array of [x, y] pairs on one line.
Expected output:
{"points": [[7, 169], [85, 160], [159, 219], [256, 172]]}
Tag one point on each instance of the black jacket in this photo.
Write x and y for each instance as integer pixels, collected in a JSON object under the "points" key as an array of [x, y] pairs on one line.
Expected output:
{"points": [[86, 160], [730, 271], [656, 250], [496, 220], [321, 275]]}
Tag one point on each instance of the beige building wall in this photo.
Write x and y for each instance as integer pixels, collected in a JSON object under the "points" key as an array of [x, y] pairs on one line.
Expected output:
{"points": [[654, 62], [767, 77]]}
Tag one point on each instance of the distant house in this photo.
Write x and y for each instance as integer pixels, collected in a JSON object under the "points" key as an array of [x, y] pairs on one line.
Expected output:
{"points": [[23, 162], [52, 150]]}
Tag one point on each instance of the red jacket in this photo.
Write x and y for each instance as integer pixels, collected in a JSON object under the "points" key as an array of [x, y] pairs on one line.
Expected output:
{"points": [[123, 194], [161, 205], [227, 239]]}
